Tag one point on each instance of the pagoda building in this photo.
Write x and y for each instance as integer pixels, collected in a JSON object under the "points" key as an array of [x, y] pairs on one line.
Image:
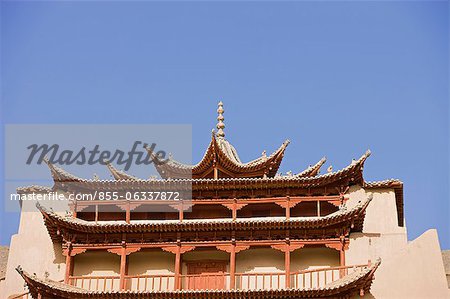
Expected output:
{"points": [[239, 230]]}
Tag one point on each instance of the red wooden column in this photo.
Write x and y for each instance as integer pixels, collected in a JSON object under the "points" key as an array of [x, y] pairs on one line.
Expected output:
{"points": [[342, 257], [342, 261], [287, 266], [318, 208], [287, 205], [128, 212], [123, 252], [75, 207], [234, 210], [123, 267], [178, 250], [69, 268], [288, 208], [177, 267], [69, 263], [232, 249], [216, 172], [287, 249], [69, 252], [234, 207], [233, 266], [341, 247], [179, 206], [181, 211]]}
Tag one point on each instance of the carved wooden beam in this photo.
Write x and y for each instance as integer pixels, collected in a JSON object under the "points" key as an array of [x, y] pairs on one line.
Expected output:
{"points": [[337, 246], [284, 247], [185, 249], [73, 251], [173, 249], [231, 205], [293, 247], [128, 250], [228, 248], [283, 204]]}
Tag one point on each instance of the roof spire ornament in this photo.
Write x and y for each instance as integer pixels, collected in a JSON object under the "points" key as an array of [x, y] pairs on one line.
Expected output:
{"points": [[220, 119]]}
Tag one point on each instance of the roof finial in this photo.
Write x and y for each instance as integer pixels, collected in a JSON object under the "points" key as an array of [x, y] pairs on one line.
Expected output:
{"points": [[220, 118]]}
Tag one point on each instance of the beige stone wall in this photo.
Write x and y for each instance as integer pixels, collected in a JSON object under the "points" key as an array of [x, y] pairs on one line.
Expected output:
{"points": [[97, 263], [2, 287], [33, 249], [408, 270], [381, 235], [313, 258], [152, 263], [415, 271], [264, 260], [257, 260], [381, 214], [446, 259], [260, 260]]}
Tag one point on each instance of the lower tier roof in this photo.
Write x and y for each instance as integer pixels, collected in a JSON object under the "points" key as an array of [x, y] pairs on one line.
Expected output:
{"points": [[349, 285]]}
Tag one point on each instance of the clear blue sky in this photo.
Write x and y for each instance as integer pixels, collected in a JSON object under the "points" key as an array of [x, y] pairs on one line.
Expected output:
{"points": [[336, 78]]}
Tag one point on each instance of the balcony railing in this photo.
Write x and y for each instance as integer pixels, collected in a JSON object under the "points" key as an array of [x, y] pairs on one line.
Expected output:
{"points": [[260, 281], [150, 282], [216, 281], [319, 277], [96, 283]]}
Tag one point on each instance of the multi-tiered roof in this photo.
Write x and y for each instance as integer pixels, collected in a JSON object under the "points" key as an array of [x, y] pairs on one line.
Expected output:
{"points": [[219, 178]]}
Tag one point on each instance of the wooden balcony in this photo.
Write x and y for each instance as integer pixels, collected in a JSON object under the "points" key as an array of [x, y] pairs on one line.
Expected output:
{"points": [[315, 278]]}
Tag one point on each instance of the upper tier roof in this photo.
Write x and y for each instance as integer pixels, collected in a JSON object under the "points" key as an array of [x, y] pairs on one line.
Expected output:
{"points": [[221, 160], [221, 155]]}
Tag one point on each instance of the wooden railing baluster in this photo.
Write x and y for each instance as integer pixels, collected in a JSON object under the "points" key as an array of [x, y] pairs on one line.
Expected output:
{"points": [[218, 280]]}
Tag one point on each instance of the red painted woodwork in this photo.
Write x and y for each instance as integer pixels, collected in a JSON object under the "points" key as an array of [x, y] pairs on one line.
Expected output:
{"points": [[177, 267], [83, 209], [123, 267], [69, 268], [128, 250], [206, 275], [229, 248], [174, 249]]}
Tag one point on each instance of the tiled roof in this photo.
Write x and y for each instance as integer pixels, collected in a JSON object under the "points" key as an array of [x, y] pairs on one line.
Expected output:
{"points": [[119, 174], [222, 153], [313, 170], [390, 183], [355, 169], [344, 216], [34, 189], [342, 288]]}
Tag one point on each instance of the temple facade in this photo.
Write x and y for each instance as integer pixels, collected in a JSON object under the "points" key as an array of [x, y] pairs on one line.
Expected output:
{"points": [[238, 230]]}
